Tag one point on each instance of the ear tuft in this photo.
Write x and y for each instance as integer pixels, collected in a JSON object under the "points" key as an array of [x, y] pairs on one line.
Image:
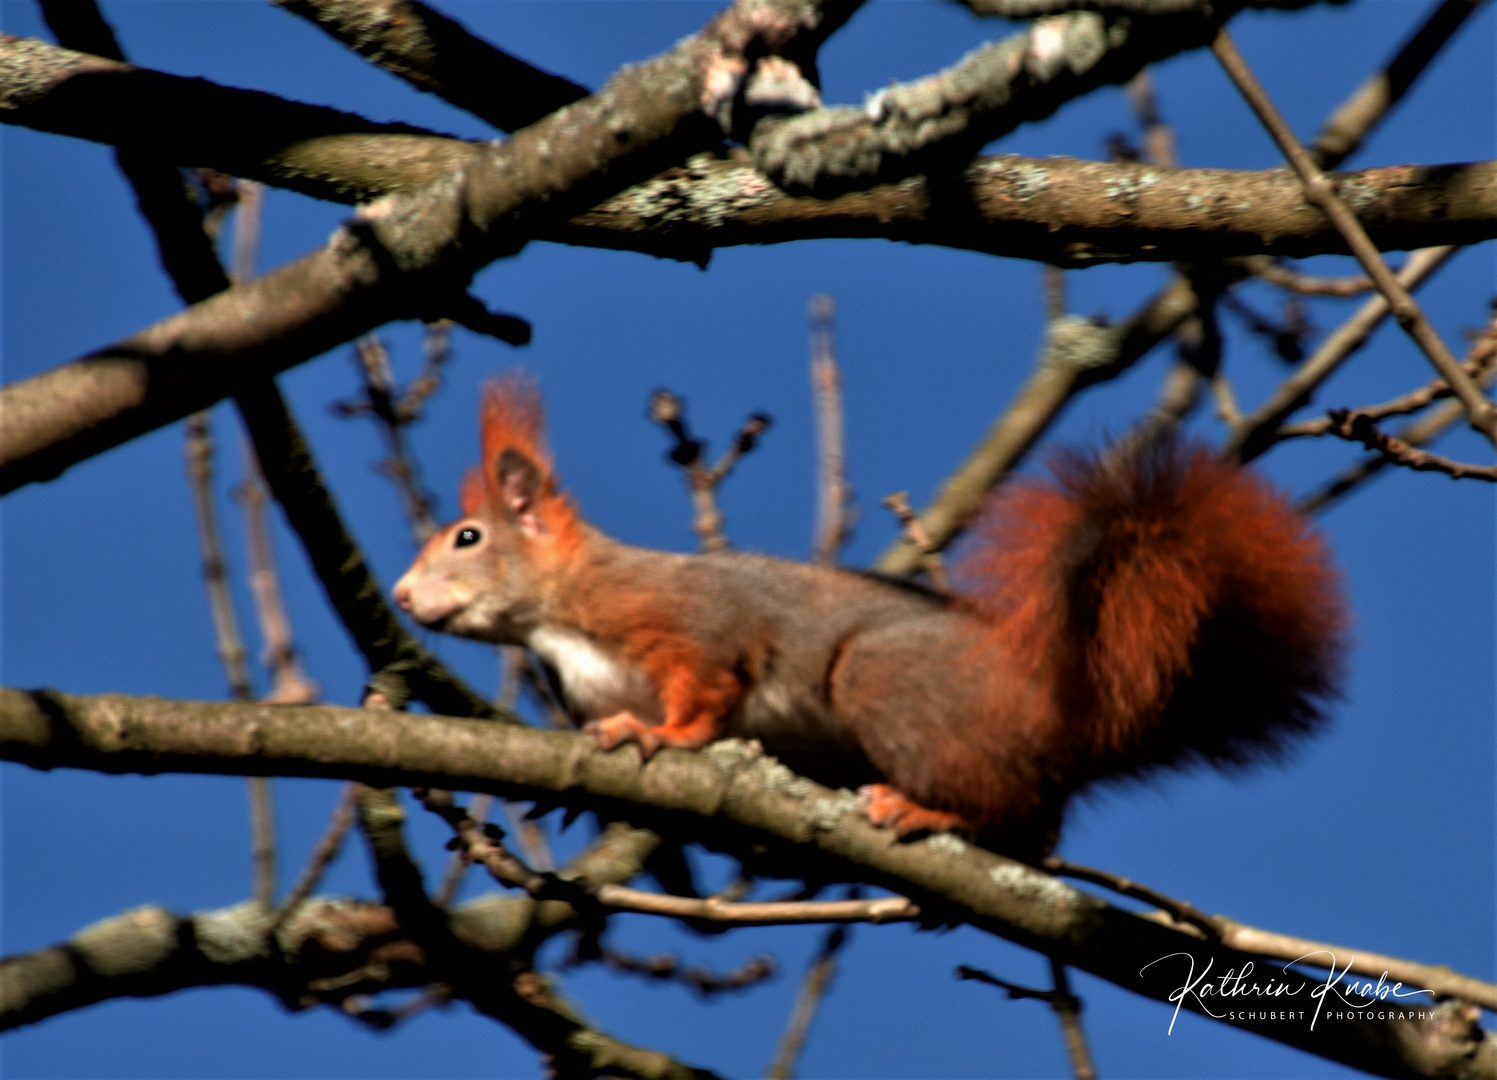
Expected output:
{"points": [[511, 426]]}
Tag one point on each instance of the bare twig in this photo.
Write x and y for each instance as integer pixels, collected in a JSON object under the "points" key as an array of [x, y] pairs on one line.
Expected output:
{"points": [[702, 480], [1180, 910], [757, 913], [481, 842], [1308, 284], [1067, 1008], [813, 988], [230, 644], [358, 1007], [1477, 365], [915, 535], [1076, 354], [1253, 435], [322, 856], [1421, 432], [289, 683], [1237, 935], [249, 209], [703, 982], [531, 838], [1319, 189], [834, 512], [393, 410], [457, 864], [1286, 337], [1358, 427], [1159, 137]]}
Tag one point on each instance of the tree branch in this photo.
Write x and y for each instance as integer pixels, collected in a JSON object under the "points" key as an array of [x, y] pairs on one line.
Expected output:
{"points": [[948, 116], [1059, 210], [727, 796], [1076, 354], [1319, 189], [406, 257], [438, 55], [1343, 133]]}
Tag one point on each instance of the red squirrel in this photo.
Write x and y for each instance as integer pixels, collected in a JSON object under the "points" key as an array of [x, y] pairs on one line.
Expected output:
{"points": [[1137, 611]]}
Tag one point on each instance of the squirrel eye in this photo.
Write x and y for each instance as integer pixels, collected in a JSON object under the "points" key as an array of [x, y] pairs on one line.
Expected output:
{"points": [[467, 538]]}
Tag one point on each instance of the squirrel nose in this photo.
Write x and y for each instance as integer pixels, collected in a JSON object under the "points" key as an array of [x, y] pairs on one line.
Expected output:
{"points": [[402, 594]]}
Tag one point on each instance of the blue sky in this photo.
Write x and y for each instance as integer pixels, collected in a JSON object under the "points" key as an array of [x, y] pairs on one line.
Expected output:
{"points": [[1379, 835]]}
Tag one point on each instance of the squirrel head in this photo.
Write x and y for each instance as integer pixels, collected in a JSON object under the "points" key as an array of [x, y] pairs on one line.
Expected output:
{"points": [[487, 575]]}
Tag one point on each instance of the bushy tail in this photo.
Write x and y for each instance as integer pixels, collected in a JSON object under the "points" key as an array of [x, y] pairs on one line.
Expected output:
{"points": [[1177, 606]]}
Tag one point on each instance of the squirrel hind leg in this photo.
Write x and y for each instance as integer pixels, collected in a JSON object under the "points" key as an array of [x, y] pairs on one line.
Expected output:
{"points": [[887, 806]]}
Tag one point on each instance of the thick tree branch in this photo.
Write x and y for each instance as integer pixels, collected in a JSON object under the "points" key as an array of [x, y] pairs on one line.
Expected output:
{"points": [[946, 117], [1060, 210], [726, 796], [438, 55], [320, 151], [407, 257], [332, 951]]}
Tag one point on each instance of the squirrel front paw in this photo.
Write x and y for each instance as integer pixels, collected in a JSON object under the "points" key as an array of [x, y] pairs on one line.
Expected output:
{"points": [[886, 806], [620, 728]]}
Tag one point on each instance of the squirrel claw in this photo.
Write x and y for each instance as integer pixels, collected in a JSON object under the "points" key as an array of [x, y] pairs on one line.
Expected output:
{"points": [[613, 731], [886, 806]]}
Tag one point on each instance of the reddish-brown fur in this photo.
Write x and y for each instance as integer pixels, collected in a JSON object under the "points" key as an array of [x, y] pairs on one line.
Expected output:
{"points": [[1174, 606], [1137, 611]]}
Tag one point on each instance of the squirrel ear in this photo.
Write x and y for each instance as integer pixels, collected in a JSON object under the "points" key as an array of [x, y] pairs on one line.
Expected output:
{"points": [[521, 483]]}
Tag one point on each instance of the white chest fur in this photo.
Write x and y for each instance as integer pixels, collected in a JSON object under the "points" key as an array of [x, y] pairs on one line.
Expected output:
{"points": [[593, 681]]}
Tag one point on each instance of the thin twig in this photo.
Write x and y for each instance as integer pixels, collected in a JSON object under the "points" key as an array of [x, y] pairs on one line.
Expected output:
{"points": [[289, 683], [1253, 435], [393, 410], [1319, 189], [457, 863], [703, 480], [358, 1007], [813, 988], [1067, 1007], [249, 208], [323, 853], [834, 516], [1077, 353], [1285, 338], [1420, 432], [932, 565], [758, 913], [1237, 935], [1478, 364], [1180, 910], [531, 838], [1053, 285], [1159, 137], [230, 645], [703, 982], [1308, 284], [1357, 427]]}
